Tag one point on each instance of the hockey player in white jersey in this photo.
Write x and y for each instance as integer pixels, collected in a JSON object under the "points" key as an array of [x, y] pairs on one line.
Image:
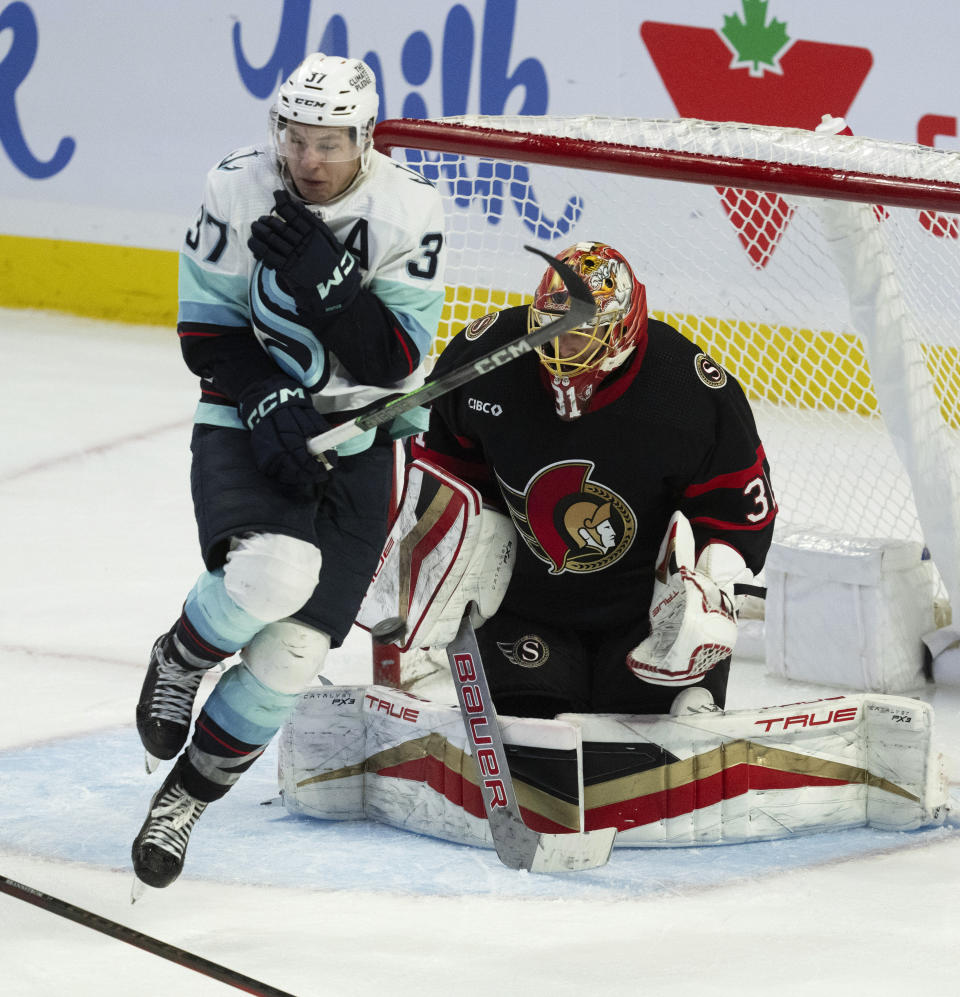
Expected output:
{"points": [[310, 287]]}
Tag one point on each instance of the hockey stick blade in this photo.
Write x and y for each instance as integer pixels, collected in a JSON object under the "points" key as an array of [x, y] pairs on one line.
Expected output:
{"points": [[582, 309], [517, 846], [124, 934]]}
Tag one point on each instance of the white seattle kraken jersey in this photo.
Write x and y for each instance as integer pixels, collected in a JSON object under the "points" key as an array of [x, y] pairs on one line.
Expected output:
{"points": [[392, 221]]}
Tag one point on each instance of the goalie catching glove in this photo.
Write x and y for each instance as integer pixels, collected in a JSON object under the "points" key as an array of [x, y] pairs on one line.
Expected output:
{"points": [[310, 262], [693, 620]]}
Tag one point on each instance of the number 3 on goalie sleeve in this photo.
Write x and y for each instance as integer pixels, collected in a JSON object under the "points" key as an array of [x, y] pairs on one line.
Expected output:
{"points": [[693, 624], [444, 551]]}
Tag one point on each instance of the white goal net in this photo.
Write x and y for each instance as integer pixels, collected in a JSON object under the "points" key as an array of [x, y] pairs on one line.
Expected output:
{"points": [[821, 270]]}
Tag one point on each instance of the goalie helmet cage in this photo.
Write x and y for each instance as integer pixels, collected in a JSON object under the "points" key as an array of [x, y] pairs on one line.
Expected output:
{"points": [[821, 270]]}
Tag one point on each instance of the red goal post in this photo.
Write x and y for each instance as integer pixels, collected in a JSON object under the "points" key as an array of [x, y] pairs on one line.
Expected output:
{"points": [[485, 140], [821, 270]]}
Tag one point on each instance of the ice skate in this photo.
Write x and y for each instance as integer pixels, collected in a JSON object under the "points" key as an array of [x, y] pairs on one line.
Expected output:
{"points": [[693, 700], [160, 848], [165, 708]]}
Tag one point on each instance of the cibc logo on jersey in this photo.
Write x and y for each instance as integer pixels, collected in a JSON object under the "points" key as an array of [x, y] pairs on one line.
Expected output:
{"points": [[570, 521], [487, 408]]}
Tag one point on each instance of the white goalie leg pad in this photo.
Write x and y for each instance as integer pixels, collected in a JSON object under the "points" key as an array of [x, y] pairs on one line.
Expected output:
{"points": [[270, 575], [749, 775], [445, 550], [322, 752], [286, 656], [693, 625], [375, 752], [419, 776]]}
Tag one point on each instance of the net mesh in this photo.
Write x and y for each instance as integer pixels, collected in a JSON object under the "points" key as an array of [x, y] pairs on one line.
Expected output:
{"points": [[750, 273]]}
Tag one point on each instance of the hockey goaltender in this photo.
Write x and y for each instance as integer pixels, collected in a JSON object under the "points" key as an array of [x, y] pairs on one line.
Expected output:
{"points": [[596, 510]]}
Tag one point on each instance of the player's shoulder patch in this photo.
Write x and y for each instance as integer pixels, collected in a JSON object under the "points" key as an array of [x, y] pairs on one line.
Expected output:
{"points": [[412, 175], [239, 159], [479, 326], [710, 373], [241, 185]]}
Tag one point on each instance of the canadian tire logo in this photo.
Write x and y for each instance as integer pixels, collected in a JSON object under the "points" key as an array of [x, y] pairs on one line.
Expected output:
{"points": [[751, 70]]}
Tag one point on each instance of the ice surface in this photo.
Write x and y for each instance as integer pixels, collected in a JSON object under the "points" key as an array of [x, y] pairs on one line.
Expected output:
{"points": [[98, 550]]}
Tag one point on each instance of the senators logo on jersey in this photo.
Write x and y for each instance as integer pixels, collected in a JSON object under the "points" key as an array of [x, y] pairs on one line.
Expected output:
{"points": [[530, 651], [568, 521], [479, 326]]}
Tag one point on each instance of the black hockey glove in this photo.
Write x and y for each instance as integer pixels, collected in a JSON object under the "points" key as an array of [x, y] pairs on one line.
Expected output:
{"points": [[281, 418], [310, 262]]}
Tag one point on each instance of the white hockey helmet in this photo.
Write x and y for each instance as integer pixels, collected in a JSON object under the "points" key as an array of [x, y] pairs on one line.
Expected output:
{"points": [[333, 92]]}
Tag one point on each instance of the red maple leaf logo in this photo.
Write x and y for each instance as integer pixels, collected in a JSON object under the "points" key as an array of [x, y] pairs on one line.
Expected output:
{"points": [[751, 71]]}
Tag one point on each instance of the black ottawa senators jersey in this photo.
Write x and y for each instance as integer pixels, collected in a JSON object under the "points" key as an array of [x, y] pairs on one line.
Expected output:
{"points": [[591, 498]]}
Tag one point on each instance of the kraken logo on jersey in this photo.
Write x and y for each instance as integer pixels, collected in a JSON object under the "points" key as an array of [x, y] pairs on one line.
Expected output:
{"points": [[569, 521], [277, 326]]}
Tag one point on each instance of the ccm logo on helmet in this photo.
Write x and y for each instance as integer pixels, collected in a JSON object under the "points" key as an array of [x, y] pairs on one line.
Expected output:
{"points": [[487, 408]]}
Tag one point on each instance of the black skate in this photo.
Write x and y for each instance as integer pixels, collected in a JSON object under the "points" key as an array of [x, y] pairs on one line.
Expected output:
{"points": [[166, 704], [161, 846]]}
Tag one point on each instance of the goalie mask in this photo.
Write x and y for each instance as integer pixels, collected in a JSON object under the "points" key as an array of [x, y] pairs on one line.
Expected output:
{"points": [[325, 110], [579, 360]]}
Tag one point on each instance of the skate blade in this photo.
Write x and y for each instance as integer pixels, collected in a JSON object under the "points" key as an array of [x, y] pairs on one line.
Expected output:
{"points": [[138, 889], [150, 763]]}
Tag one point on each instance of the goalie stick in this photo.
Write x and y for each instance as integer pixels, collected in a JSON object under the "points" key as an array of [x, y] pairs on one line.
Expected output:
{"points": [[124, 934], [517, 846], [582, 308]]}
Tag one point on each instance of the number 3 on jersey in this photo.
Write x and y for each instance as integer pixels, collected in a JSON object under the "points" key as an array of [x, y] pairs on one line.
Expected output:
{"points": [[759, 490], [426, 268]]}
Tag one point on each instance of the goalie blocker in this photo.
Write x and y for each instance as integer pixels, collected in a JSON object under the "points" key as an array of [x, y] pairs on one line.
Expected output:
{"points": [[369, 752], [445, 551]]}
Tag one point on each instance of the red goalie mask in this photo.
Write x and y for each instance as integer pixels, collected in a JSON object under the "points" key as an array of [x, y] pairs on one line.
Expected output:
{"points": [[579, 360]]}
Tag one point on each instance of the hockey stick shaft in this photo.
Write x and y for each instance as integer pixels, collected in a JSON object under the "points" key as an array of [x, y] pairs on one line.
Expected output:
{"points": [[515, 843], [124, 934], [517, 846], [582, 308]]}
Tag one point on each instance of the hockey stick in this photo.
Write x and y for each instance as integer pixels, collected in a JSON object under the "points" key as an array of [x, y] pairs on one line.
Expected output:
{"points": [[582, 308], [517, 845], [124, 934]]}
